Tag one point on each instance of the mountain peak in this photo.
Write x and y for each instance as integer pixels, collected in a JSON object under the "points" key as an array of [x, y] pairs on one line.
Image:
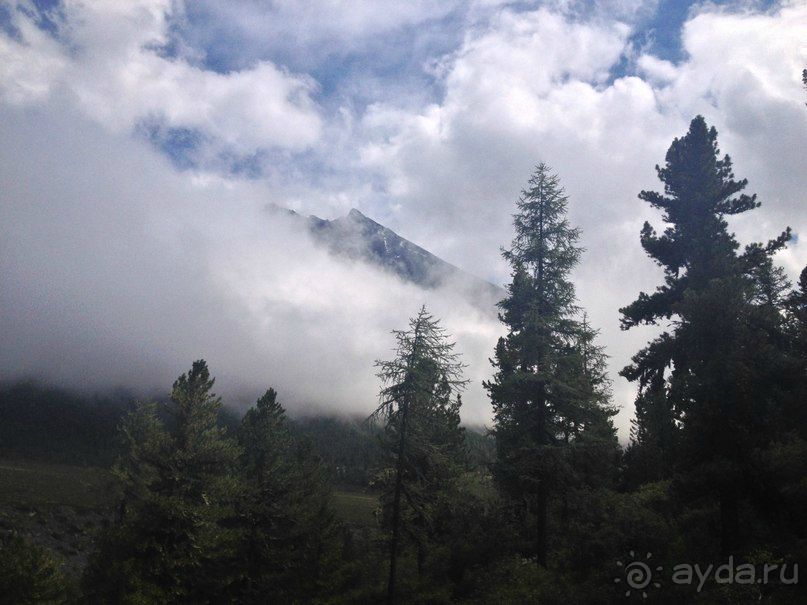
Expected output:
{"points": [[359, 237]]}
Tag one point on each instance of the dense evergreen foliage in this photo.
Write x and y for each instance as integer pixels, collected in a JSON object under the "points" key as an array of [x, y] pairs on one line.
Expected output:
{"points": [[720, 410], [710, 386], [348, 447], [411, 507], [550, 393], [289, 549], [209, 517], [174, 538], [29, 575]]}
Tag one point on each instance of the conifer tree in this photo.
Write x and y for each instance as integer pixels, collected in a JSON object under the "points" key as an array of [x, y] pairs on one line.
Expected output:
{"points": [[290, 543], [654, 433], [549, 388], [419, 403], [29, 574], [173, 539], [589, 431], [711, 372], [796, 305], [787, 458]]}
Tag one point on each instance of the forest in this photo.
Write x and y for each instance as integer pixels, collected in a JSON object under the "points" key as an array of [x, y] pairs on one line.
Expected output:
{"points": [[188, 502]]}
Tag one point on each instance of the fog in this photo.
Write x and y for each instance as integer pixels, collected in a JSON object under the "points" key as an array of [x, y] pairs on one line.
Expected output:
{"points": [[119, 272], [120, 269]]}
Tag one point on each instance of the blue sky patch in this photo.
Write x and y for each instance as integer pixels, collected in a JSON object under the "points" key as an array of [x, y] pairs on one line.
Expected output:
{"points": [[7, 23], [180, 145]]}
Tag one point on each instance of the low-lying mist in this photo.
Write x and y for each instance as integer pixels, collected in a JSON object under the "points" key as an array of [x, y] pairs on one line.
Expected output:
{"points": [[118, 272]]}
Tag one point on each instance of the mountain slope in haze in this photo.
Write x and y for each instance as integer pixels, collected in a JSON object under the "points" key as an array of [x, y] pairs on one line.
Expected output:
{"points": [[358, 237]]}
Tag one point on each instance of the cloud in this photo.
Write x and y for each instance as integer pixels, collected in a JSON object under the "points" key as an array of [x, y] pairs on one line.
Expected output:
{"points": [[119, 271], [29, 62], [539, 86], [427, 117], [109, 59], [309, 23], [531, 87]]}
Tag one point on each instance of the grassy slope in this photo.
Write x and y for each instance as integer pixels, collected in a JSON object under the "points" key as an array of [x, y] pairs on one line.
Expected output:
{"points": [[39, 485], [61, 506], [355, 508]]}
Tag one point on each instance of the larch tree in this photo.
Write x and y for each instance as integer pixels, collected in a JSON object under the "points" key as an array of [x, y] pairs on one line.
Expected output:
{"points": [[419, 405], [549, 389]]}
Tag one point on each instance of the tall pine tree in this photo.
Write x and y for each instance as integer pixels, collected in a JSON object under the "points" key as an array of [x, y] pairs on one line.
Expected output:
{"points": [[712, 373], [549, 389]]}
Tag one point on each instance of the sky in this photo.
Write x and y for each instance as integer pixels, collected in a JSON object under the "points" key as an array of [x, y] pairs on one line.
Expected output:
{"points": [[141, 143]]}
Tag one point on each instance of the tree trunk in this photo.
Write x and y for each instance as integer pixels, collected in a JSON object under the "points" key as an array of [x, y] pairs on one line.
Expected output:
{"points": [[540, 534], [541, 497], [540, 275], [729, 522], [540, 512], [396, 510]]}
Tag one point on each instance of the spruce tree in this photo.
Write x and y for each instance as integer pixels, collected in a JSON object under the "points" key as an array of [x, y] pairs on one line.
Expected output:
{"points": [[549, 389], [712, 371], [419, 404]]}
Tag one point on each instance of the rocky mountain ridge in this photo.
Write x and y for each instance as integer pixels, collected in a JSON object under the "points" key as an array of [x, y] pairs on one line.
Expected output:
{"points": [[358, 237]]}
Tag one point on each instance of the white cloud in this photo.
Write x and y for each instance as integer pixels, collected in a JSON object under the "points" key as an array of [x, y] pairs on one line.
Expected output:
{"points": [[119, 271], [534, 87], [656, 69], [27, 69], [129, 263], [348, 22], [110, 65], [524, 90]]}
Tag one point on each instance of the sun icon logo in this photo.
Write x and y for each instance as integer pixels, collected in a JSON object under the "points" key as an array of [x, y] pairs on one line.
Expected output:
{"points": [[637, 575]]}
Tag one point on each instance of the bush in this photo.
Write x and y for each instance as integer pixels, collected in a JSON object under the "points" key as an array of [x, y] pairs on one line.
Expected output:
{"points": [[29, 574]]}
